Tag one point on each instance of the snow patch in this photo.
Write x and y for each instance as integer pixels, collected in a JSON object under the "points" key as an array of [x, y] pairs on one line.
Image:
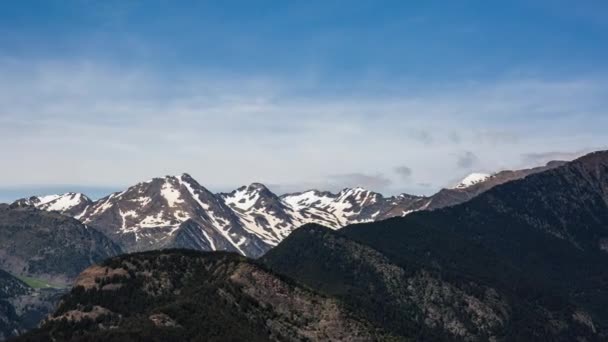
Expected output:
{"points": [[242, 198], [472, 179], [171, 194], [65, 202]]}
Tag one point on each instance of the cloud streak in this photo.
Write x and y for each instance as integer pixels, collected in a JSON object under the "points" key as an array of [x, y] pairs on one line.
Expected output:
{"points": [[467, 160], [100, 125], [404, 172]]}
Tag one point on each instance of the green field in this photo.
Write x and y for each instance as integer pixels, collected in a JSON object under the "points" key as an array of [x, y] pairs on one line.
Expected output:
{"points": [[38, 283]]}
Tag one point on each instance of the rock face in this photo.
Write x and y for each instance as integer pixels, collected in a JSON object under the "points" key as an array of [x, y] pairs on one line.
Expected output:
{"points": [[176, 211], [413, 300], [48, 245], [178, 295], [540, 236]]}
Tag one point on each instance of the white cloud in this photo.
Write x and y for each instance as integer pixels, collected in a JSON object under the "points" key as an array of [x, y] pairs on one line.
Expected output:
{"points": [[90, 124]]}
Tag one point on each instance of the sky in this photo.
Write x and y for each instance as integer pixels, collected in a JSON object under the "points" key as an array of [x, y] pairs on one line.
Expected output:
{"points": [[394, 96]]}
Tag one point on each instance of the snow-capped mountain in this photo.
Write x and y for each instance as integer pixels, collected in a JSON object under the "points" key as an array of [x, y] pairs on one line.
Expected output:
{"points": [[171, 212], [472, 179], [262, 212], [349, 206], [176, 211], [71, 203]]}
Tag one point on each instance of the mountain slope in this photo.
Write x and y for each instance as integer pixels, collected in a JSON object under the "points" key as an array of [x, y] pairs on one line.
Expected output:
{"points": [[183, 295], [48, 245], [10, 287], [461, 194], [22, 307], [410, 300], [466, 190], [546, 232]]}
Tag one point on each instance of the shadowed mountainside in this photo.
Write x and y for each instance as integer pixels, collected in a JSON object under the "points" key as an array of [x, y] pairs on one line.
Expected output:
{"points": [[181, 295], [48, 245], [425, 302]]}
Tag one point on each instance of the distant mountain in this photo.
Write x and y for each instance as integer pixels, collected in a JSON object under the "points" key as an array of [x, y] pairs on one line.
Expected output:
{"points": [[472, 179], [178, 295], [48, 245], [411, 300], [348, 206], [541, 237], [467, 189], [172, 212], [262, 212], [71, 203], [177, 212]]}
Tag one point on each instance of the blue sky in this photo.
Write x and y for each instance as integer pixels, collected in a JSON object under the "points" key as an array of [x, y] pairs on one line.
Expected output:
{"points": [[102, 94]]}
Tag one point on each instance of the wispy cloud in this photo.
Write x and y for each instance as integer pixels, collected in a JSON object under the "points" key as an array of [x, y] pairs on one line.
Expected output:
{"points": [[85, 123], [466, 160], [404, 172]]}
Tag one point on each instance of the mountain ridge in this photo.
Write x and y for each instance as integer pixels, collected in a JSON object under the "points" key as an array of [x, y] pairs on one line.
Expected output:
{"points": [[548, 231], [176, 211]]}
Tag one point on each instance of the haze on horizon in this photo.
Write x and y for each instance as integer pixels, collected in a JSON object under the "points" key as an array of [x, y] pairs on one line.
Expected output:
{"points": [[394, 97]]}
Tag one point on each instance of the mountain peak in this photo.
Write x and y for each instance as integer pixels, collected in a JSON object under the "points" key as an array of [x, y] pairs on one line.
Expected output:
{"points": [[68, 203], [246, 196], [257, 187], [472, 179]]}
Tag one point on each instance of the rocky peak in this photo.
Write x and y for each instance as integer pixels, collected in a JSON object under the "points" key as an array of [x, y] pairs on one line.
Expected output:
{"points": [[310, 198], [172, 211], [255, 195], [359, 196], [71, 203]]}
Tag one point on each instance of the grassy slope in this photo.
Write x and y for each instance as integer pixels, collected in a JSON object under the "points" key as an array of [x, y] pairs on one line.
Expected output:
{"points": [[39, 283]]}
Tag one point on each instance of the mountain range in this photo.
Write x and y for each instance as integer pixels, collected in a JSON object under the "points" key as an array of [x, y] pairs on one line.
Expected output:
{"points": [[513, 256], [178, 212]]}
